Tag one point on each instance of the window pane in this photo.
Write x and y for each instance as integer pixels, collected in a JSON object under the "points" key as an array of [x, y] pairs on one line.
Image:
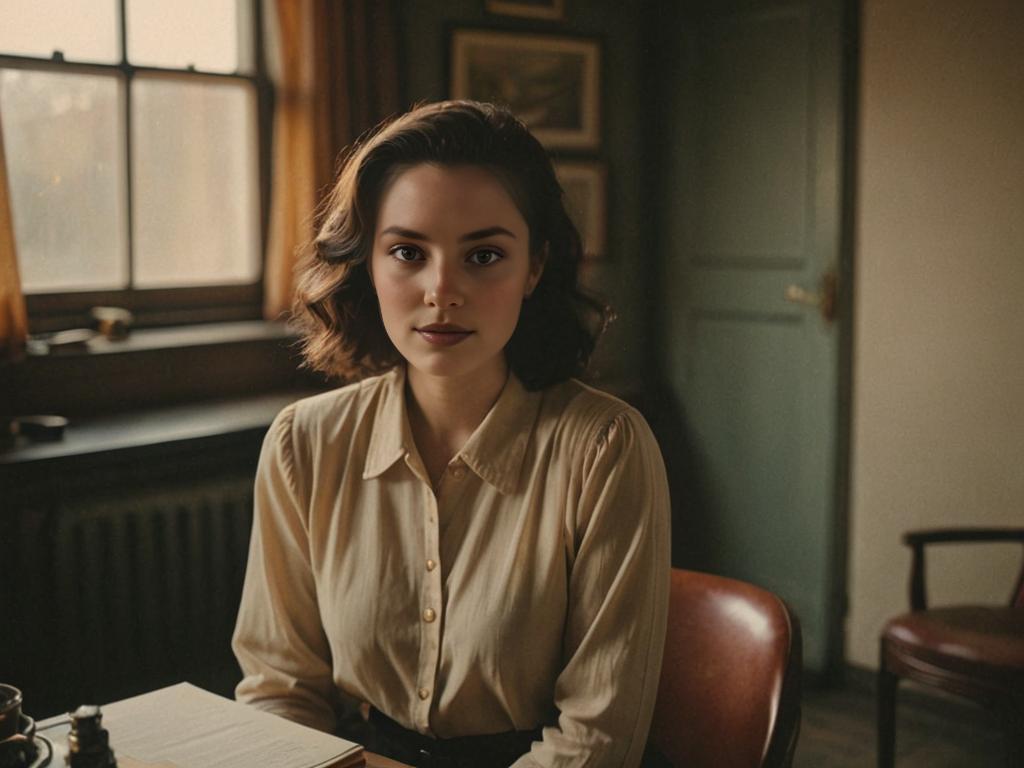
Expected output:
{"points": [[195, 187], [65, 153], [212, 35], [85, 30]]}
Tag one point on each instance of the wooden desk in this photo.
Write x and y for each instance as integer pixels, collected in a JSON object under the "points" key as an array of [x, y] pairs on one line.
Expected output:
{"points": [[58, 738], [379, 761]]}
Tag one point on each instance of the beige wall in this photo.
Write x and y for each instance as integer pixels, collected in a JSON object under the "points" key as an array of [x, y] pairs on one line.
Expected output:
{"points": [[938, 423]]}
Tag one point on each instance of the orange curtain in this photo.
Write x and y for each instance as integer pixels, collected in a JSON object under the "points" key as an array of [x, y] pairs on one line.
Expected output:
{"points": [[13, 319], [335, 74]]}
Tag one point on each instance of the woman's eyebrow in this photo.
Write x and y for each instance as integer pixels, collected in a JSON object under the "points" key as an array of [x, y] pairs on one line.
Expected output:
{"points": [[412, 234], [481, 234], [477, 234]]}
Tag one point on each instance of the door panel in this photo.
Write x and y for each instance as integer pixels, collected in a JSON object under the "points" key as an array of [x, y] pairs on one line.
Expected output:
{"points": [[753, 85], [752, 200]]}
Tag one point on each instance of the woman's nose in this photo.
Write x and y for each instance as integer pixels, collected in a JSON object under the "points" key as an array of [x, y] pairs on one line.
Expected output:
{"points": [[443, 289]]}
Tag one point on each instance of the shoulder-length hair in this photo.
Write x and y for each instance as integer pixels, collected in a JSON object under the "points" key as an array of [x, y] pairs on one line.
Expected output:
{"points": [[336, 306]]}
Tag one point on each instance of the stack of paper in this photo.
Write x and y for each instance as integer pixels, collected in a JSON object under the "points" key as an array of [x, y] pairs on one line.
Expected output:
{"points": [[186, 727]]}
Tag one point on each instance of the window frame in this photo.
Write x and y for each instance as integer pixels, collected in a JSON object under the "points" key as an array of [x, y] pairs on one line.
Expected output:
{"points": [[163, 306]]}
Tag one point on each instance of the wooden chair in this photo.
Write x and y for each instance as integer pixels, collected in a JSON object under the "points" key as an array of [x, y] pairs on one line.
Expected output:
{"points": [[729, 695], [974, 651]]}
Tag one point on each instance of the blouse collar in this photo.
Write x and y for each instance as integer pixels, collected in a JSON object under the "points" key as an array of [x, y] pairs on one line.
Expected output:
{"points": [[495, 451]]}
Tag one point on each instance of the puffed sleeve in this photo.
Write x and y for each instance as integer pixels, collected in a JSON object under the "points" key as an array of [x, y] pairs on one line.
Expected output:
{"points": [[618, 605], [279, 640]]}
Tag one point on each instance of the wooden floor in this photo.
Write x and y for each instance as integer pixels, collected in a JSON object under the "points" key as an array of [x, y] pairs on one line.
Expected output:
{"points": [[838, 731]]}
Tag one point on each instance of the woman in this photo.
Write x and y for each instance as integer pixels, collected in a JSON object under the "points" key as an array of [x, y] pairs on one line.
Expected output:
{"points": [[467, 540]]}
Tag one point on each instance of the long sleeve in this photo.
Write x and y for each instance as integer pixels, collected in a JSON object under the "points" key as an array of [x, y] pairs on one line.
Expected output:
{"points": [[618, 605], [279, 638]]}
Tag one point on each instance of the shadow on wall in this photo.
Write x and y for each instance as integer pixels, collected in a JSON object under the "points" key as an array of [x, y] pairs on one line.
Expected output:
{"points": [[693, 514]]}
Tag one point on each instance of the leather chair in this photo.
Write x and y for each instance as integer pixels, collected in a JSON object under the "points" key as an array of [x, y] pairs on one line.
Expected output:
{"points": [[975, 651], [729, 694]]}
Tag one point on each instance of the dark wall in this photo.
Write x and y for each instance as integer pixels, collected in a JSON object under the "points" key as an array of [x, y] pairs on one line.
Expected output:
{"points": [[624, 277]]}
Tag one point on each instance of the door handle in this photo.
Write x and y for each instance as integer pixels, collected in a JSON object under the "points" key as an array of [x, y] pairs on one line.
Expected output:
{"points": [[824, 300]]}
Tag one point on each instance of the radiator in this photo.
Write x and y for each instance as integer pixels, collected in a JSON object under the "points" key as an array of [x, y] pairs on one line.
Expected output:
{"points": [[143, 592]]}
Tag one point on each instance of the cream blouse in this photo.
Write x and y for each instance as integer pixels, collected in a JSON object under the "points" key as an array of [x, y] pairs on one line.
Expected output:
{"points": [[531, 589]]}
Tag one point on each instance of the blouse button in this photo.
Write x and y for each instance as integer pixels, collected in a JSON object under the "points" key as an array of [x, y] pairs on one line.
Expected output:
{"points": [[431, 565], [429, 615], [458, 472], [423, 693]]}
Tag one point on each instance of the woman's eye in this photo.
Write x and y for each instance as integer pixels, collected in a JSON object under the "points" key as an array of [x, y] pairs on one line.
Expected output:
{"points": [[405, 253], [485, 257]]}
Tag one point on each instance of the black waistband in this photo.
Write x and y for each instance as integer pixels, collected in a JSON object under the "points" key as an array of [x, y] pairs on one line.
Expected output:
{"points": [[497, 750]]}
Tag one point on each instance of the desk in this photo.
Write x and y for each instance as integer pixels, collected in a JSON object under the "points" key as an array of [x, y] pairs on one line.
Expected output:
{"points": [[379, 761], [58, 736]]}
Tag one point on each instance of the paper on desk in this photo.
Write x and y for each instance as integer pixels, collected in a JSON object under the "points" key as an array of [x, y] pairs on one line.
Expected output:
{"points": [[186, 727]]}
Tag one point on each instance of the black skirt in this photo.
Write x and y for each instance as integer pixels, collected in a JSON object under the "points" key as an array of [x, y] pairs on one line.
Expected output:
{"points": [[492, 750], [384, 736]]}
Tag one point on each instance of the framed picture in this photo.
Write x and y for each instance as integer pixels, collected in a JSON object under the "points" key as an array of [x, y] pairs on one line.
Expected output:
{"points": [[551, 82], [585, 186], [531, 9]]}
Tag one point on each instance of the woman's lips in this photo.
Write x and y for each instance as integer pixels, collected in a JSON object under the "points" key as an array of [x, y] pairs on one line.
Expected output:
{"points": [[443, 335]]}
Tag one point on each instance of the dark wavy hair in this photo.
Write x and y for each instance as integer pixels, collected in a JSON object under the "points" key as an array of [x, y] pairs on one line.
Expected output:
{"points": [[336, 306]]}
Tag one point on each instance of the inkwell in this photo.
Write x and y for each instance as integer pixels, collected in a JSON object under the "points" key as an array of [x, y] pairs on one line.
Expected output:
{"points": [[89, 742]]}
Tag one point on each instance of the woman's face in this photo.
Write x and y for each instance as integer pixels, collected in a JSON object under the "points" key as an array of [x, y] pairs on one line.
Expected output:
{"points": [[451, 265]]}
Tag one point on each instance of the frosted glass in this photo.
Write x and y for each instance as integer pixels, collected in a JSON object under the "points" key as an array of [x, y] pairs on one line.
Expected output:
{"points": [[85, 30], [196, 182], [65, 157], [212, 35]]}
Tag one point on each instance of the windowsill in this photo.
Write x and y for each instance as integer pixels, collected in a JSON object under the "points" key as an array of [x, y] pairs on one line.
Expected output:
{"points": [[158, 368], [156, 426], [209, 334]]}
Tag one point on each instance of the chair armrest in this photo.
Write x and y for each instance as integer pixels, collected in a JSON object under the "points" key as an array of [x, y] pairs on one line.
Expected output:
{"points": [[952, 535], [917, 540]]}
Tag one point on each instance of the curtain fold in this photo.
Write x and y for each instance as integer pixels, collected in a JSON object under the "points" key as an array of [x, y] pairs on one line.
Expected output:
{"points": [[335, 73], [13, 318]]}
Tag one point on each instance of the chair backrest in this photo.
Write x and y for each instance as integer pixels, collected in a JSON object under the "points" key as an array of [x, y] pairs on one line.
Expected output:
{"points": [[729, 694]]}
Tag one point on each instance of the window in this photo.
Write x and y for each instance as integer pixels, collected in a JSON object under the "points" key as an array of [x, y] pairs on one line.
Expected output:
{"points": [[136, 147]]}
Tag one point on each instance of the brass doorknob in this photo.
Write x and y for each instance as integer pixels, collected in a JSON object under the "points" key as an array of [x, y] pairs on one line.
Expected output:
{"points": [[824, 300]]}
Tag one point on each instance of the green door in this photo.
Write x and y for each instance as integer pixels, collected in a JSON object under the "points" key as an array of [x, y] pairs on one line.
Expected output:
{"points": [[751, 189]]}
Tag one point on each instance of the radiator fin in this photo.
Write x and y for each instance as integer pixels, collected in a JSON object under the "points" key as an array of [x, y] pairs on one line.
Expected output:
{"points": [[147, 589]]}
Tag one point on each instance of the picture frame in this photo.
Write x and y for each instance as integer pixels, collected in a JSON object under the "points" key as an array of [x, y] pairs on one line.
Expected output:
{"points": [[552, 10], [551, 82], [585, 184]]}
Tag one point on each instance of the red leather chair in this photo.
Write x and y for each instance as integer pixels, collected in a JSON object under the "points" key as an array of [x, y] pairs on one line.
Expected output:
{"points": [[729, 695], [975, 651]]}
